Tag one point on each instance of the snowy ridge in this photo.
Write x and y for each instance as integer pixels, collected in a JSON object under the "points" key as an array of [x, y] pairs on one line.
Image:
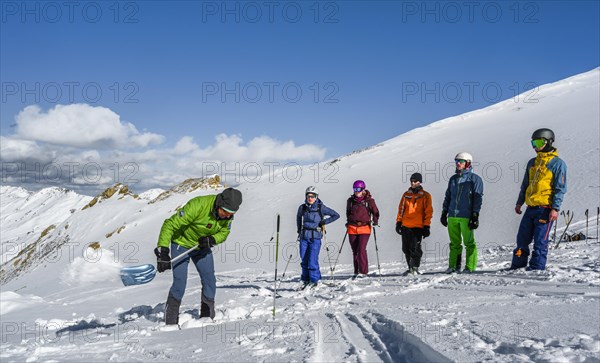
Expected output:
{"points": [[25, 215], [492, 315], [107, 223]]}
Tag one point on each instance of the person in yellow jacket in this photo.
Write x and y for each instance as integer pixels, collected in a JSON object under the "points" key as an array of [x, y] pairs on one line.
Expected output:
{"points": [[413, 222], [543, 189], [202, 223]]}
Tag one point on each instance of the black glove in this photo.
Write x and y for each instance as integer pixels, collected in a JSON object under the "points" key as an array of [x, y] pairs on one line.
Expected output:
{"points": [[399, 228], [299, 230], [322, 224], [444, 218], [474, 221], [425, 231], [206, 242], [163, 260]]}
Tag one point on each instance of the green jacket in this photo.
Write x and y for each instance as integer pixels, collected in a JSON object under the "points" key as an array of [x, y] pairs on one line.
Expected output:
{"points": [[198, 218]]}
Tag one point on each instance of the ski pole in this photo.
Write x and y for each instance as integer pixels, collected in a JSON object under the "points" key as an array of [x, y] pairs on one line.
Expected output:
{"points": [[586, 225], [328, 257], [565, 231], [340, 251], [276, 260], [286, 266], [376, 250], [597, 219], [555, 225]]}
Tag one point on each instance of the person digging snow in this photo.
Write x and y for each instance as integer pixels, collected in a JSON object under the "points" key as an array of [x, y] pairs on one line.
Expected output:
{"points": [[360, 209], [413, 222], [311, 219], [203, 222], [460, 213], [543, 189]]}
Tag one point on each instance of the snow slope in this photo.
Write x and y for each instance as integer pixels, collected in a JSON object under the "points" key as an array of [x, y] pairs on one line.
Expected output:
{"points": [[25, 215], [70, 306]]}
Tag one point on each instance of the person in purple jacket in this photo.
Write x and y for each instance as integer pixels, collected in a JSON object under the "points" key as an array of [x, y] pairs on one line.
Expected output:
{"points": [[361, 211]]}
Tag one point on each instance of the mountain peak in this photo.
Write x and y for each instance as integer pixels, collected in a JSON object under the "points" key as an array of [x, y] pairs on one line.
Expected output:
{"points": [[190, 185], [117, 189]]}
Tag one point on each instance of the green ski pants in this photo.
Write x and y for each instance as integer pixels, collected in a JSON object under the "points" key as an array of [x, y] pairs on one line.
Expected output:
{"points": [[459, 233]]}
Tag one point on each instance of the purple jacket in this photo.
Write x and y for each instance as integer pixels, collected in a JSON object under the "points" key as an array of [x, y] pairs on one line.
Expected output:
{"points": [[359, 212]]}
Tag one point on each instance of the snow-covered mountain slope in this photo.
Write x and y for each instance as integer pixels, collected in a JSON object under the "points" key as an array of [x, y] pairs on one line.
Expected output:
{"points": [[106, 222], [493, 316], [25, 215]]}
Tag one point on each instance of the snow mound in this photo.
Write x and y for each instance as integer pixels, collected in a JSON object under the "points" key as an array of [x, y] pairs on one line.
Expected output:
{"points": [[96, 265]]}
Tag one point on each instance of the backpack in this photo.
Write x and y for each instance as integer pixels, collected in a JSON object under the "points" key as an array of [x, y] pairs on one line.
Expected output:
{"points": [[305, 210], [575, 237], [366, 203]]}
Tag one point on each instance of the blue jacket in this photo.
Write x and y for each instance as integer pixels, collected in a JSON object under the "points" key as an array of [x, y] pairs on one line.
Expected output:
{"points": [[464, 194], [308, 219]]}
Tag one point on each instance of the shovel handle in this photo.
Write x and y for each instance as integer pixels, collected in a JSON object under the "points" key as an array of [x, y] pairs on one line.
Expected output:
{"points": [[184, 254]]}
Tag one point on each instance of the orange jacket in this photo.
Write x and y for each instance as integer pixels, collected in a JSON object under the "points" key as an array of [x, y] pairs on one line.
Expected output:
{"points": [[415, 210]]}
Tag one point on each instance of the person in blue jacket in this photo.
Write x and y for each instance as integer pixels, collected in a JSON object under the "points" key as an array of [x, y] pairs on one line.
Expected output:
{"points": [[460, 213], [311, 219], [543, 189]]}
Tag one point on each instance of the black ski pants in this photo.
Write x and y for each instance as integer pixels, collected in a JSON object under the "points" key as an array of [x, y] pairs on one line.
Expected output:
{"points": [[411, 246]]}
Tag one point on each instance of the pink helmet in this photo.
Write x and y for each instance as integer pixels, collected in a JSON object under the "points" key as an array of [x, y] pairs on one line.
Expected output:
{"points": [[359, 184]]}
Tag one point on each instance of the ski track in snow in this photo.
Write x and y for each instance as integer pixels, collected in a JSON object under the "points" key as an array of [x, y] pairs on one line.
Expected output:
{"points": [[491, 315]]}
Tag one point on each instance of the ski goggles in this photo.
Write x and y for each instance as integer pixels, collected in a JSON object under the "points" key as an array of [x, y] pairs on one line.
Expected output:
{"points": [[538, 143], [458, 161], [310, 196], [356, 190]]}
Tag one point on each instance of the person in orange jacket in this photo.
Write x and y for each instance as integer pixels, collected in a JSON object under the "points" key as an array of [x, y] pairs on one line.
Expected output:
{"points": [[413, 221]]}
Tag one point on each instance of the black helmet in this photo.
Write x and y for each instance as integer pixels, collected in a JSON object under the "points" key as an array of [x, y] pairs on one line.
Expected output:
{"points": [[543, 133]]}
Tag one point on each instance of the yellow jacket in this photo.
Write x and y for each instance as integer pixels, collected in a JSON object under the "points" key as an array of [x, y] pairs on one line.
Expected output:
{"points": [[545, 181]]}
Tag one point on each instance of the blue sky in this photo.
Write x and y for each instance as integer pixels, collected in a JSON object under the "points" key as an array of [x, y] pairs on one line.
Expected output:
{"points": [[380, 68]]}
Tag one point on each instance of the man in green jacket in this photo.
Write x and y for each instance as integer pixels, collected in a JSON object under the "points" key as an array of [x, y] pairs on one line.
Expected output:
{"points": [[204, 222]]}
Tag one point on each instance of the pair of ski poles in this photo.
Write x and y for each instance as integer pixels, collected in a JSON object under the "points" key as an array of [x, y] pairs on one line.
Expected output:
{"points": [[342, 246]]}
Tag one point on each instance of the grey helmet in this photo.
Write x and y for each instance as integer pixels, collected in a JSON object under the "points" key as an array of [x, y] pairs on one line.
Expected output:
{"points": [[313, 190], [543, 133]]}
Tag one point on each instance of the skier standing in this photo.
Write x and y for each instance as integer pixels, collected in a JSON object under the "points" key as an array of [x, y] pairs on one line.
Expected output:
{"points": [[460, 213], [543, 188], [311, 219], [205, 222], [413, 222], [360, 207]]}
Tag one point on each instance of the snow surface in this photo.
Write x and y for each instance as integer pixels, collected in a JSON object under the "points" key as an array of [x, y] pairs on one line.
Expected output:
{"points": [[70, 306], [25, 214]]}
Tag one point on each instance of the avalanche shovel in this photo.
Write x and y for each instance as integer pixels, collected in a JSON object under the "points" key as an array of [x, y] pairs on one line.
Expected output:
{"points": [[142, 274]]}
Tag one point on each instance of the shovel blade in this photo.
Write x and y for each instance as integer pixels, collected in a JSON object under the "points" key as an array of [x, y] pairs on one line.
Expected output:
{"points": [[137, 275]]}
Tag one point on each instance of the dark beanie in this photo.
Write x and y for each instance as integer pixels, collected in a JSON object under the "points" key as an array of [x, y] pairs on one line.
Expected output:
{"points": [[417, 176], [230, 200]]}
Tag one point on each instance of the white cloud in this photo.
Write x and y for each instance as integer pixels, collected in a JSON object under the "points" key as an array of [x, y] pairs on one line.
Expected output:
{"points": [[262, 148], [185, 145], [16, 150], [82, 126], [92, 148]]}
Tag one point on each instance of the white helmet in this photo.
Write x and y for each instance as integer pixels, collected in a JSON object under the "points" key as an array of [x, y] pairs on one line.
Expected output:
{"points": [[464, 156], [313, 190]]}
